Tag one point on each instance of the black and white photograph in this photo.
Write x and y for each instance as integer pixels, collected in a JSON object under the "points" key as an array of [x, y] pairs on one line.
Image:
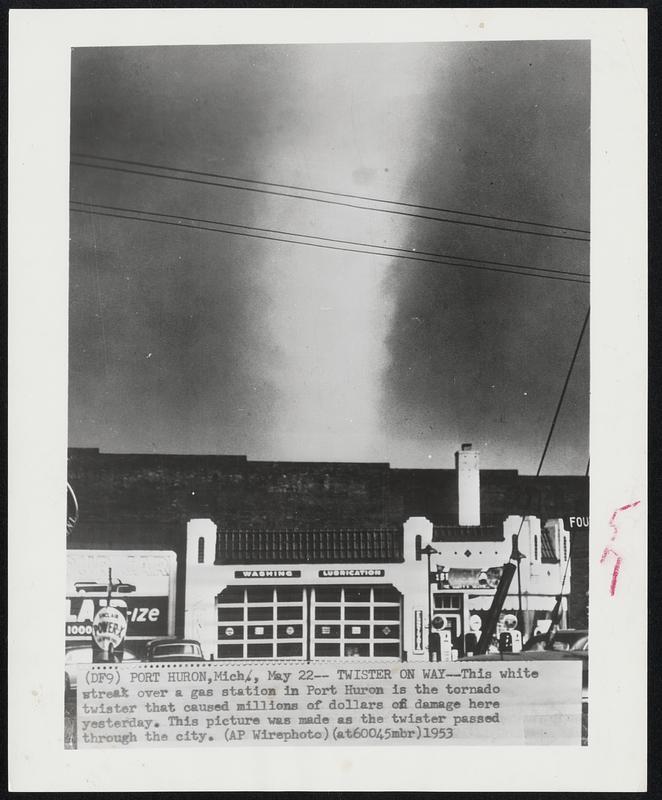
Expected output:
{"points": [[329, 365], [329, 376]]}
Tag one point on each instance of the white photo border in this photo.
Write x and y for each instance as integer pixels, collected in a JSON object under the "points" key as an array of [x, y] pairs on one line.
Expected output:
{"points": [[39, 70]]}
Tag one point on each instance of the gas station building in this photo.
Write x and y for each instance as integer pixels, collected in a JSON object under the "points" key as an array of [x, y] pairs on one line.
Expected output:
{"points": [[306, 561]]}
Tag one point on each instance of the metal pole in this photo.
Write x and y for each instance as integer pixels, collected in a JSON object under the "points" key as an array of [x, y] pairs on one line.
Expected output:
{"points": [[429, 609], [498, 600], [110, 591], [519, 593]]}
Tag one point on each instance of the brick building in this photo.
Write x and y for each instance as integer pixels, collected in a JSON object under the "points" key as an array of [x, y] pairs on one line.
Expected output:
{"points": [[282, 514]]}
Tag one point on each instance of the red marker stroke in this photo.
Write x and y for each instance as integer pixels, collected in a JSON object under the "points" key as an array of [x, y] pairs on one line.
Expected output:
{"points": [[609, 549]]}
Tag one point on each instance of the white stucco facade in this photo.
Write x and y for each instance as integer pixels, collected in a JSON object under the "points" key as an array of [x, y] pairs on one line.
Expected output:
{"points": [[370, 619]]}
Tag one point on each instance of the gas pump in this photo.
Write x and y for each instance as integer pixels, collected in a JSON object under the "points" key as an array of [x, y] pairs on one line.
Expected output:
{"points": [[472, 636], [446, 646], [510, 641]]}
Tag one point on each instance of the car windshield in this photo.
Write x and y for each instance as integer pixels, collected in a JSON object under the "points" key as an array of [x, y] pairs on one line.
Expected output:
{"points": [[83, 655], [80, 655], [569, 641], [179, 649]]}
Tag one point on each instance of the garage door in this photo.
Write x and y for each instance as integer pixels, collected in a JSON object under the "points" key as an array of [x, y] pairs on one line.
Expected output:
{"points": [[261, 622], [271, 622], [355, 621]]}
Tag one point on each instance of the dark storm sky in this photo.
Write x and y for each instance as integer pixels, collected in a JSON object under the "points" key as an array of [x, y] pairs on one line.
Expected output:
{"points": [[194, 341]]}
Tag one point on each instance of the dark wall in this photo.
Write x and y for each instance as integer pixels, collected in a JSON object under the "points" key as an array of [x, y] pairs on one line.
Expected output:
{"points": [[237, 493], [578, 600]]}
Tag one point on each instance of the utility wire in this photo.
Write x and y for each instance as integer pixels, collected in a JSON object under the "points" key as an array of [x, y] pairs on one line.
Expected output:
{"points": [[326, 191], [553, 425], [324, 247], [565, 386], [329, 239], [544, 453], [323, 200]]}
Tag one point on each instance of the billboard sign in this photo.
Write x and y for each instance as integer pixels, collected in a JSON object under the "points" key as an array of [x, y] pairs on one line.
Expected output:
{"points": [[143, 585]]}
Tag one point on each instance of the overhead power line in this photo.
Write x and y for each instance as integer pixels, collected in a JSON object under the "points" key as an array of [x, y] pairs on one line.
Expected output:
{"points": [[330, 193], [563, 391], [329, 239], [253, 188], [542, 459], [130, 214]]}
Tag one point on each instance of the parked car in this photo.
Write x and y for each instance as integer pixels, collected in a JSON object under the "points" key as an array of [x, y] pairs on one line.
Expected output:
{"points": [[83, 655], [102, 588], [173, 650], [561, 640], [562, 645]]}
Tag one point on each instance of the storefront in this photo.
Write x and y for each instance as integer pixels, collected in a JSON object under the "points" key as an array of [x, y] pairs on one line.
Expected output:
{"points": [[301, 595], [277, 595]]}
